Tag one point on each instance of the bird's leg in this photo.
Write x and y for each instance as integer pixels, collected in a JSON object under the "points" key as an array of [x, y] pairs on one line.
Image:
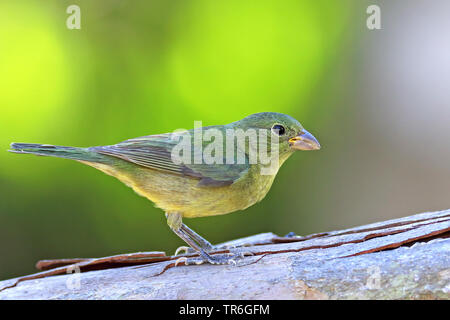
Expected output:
{"points": [[198, 243], [205, 244], [174, 220]]}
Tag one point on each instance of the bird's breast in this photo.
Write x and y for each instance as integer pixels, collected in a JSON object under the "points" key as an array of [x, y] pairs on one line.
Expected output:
{"points": [[174, 193], [245, 192]]}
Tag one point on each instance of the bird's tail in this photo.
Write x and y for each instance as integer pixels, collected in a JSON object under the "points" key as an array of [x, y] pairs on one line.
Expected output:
{"points": [[84, 154]]}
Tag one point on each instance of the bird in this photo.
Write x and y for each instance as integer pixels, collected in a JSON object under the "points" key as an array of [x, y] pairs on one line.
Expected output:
{"points": [[171, 170]]}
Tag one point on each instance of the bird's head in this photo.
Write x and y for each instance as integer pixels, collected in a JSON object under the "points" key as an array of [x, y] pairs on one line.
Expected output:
{"points": [[289, 132]]}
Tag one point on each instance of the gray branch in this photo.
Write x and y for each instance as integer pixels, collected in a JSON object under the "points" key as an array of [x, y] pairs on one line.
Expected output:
{"points": [[406, 258]]}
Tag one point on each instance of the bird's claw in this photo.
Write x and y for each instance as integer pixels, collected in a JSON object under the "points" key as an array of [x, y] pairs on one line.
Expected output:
{"points": [[226, 246], [232, 246], [181, 259], [188, 261], [184, 249], [215, 260], [230, 258]]}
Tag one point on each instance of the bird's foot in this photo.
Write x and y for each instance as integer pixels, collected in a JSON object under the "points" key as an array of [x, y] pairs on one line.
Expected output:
{"points": [[189, 250], [183, 250], [231, 258], [290, 235], [222, 259]]}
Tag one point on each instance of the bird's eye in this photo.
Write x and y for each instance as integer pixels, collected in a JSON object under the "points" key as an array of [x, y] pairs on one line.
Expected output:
{"points": [[278, 129]]}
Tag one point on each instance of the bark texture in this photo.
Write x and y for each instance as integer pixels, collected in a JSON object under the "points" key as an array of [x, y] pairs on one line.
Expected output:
{"points": [[406, 258]]}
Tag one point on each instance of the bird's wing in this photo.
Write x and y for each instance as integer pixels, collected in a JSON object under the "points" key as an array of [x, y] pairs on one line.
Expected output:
{"points": [[155, 152]]}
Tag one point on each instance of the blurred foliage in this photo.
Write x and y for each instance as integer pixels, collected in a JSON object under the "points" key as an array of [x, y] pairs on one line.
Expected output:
{"points": [[146, 67]]}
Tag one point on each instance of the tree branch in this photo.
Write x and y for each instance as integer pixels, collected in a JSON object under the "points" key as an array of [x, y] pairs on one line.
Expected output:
{"points": [[405, 258]]}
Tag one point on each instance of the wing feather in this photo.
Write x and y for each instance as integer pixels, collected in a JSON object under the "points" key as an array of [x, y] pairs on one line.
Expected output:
{"points": [[155, 152]]}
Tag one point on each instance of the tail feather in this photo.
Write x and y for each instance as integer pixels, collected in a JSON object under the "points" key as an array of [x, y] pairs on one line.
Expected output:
{"points": [[84, 154]]}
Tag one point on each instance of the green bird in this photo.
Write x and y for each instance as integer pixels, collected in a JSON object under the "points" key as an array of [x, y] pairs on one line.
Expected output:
{"points": [[193, 188]]}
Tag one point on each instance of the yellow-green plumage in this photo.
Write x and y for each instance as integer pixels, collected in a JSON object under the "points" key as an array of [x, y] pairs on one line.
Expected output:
{"points": [[174, 193], [188, 189]]}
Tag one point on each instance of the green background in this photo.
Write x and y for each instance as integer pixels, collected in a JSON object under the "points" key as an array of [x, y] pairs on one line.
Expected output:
{"points": [[145, 67]]}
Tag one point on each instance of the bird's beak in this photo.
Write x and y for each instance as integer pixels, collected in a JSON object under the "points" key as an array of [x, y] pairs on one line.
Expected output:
{"points": [[304, 141]]}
